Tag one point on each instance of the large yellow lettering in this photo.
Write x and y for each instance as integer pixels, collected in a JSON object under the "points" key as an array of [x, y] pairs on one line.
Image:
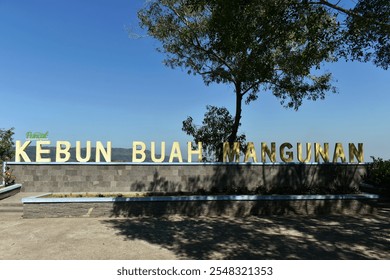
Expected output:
{"points": [[250, 152], [39, 151], [140, 151], [288, 153], [231, 154], [308, 152], [175, 152], [191, 152], [87, 152], [62, 151], [265, 151], [318, 151], [20, 153], [338, 153], [153, 152], [101, 151], [358, 153]]}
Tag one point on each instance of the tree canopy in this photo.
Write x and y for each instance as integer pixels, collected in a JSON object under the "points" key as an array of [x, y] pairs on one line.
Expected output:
{"points": [[364, 30], [268, 46], [6, 145], [215, 129], [6, 154]]}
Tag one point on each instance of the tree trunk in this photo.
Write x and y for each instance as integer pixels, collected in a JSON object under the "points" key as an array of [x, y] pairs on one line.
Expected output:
{"points": [[233, 136], [237, 118]]}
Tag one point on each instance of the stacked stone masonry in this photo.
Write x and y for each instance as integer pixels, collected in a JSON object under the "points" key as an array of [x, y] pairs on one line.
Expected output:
{"points": [[119, 177]]}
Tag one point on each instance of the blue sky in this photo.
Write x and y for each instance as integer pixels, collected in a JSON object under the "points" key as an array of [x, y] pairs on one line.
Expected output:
{"points": [[70, 68]]}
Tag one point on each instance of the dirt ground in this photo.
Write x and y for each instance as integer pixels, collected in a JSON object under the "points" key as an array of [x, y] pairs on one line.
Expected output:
{"points": [[175, 237]]}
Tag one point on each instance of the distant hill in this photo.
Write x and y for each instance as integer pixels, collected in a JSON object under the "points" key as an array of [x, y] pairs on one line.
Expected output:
{"points": [[117, 154]]}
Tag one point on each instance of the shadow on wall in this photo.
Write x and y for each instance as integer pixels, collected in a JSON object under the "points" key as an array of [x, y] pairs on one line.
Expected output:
{"points": [[313, 179], [242, 179], [240, 208], [330, 237], [254, 237], [281, 179], [261, 179], [158, 184]]}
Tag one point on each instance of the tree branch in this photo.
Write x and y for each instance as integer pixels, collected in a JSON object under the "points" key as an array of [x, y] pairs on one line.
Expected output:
{"points": [[349, 12], [198, 43]]}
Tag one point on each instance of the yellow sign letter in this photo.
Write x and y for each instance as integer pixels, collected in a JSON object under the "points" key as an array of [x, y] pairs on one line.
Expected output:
{"points": [[105, 153], [175, 152], [62, 151], [338, 153], [358, 153], [250, 152], [288, 153], [140, 151], [231, 154], [39, 151], [153, 152], [266, 151], [191, 152], [19, 151], [87, 152]]}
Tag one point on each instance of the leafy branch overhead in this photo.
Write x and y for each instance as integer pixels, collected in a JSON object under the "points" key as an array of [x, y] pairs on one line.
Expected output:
{"points": [[260, 45]]}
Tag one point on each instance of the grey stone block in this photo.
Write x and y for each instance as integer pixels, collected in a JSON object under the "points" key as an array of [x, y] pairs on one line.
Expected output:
{"points": [[184, 177]]}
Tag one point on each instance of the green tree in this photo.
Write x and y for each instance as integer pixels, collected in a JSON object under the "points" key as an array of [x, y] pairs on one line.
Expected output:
{"points": [[216, 129], [365, 30], [6, 154], [6, 145], [267, 46]]}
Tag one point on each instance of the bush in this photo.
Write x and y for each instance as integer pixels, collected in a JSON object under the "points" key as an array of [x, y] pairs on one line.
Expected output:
{"points": [[6, 144], [6, 153], [379, 173], [9, 179]]}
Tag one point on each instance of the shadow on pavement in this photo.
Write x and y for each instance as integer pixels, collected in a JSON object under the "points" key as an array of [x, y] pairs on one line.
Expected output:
{"points": [[321, 237]]}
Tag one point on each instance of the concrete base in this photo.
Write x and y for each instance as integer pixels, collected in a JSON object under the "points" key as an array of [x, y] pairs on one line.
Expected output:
{"points": [[9, 191], [232, 206]]}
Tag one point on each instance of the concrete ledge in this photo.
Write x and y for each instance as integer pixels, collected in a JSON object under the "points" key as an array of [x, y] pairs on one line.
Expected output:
{"points": [[10, 191], [225, 205], [383, 192]]}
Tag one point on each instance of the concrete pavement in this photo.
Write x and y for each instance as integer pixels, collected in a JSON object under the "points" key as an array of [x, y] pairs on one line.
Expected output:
{"points": [[175, 237]]}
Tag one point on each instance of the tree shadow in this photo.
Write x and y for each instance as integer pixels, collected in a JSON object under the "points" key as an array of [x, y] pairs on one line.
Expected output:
{"points": [[295, 178], [325, 237], [299, 178], [157, 184], [225, 230], [238, 179]]}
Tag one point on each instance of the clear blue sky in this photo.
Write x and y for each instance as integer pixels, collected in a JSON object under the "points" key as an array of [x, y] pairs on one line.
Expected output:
{"points": [[70, 68]]}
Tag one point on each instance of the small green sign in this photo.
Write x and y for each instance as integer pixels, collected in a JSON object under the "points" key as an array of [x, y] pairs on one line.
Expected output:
{"points": [[36, 135]]}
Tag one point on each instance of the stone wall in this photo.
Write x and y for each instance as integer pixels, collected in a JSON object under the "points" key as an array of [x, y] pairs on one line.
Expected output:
{"points": [[123, 177]]}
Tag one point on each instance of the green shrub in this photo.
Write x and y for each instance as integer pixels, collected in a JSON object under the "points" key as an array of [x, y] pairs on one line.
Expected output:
{"points": [[6, 153], [379, 172], [9, 179], [6, 144]]}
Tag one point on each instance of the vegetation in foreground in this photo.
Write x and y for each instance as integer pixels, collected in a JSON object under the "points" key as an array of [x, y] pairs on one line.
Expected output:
{"points": [[379, 173], [6, 154]]}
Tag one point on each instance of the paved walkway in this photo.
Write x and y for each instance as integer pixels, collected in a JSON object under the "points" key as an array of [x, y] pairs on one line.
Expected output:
{"points": [[321, 237]]}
